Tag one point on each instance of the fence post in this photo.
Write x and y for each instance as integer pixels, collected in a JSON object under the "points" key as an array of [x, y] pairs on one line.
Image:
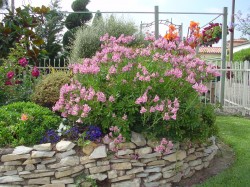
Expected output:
{"points": [[223, 56], [156, 22], [245, 85]]}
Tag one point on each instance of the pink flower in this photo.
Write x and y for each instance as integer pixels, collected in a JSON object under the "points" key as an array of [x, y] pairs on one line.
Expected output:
{"points": [[79, 120], [112, 70], [173, 117], [166, 117], [86, 108], [111, 98], [200, 88], [143, 110], [23, 62], [114, 129], [164, 141], [124, 117], [156, 99], [10, 74], [152, 109], [101, 97], [35, 72]]}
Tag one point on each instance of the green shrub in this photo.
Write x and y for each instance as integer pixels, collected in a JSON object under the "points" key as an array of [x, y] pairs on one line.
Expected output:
{"points": [[87, 39], [46, 92], [25, 123], [242, 55]]}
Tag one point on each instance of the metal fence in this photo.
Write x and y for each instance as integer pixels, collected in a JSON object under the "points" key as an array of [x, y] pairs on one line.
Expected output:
{"points": [[47, 66], [236, 89]]}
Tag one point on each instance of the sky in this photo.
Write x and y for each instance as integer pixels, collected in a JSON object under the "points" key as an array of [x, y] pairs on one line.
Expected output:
{"points": [[206, 6]]}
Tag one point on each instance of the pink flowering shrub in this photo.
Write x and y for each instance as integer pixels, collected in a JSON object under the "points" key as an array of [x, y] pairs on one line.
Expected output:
{"points": [[114, 138], [154, 89], [165, 147]]}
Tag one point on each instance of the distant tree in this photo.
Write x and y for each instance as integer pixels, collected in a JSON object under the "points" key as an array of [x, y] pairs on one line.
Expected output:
{"points": [[3, 3], [242, 55], [74, 20], [51, 30], [97, 18], [243, 23]]}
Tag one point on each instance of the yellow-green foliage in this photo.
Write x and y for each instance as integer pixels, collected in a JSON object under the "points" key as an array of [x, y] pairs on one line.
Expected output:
{"points": [[47, 90]]}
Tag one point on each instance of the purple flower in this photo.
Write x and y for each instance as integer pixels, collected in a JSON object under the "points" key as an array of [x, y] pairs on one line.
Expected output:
{"points": [[93, 133], [50, 137]]}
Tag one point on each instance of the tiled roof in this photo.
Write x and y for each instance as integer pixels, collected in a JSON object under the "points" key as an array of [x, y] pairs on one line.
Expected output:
{"points": [[210, 50]]}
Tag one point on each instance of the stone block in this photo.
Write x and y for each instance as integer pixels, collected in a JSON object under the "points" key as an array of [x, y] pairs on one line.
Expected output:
{"points": [[32, 161], [135, 170], [99, 152], [143, 151], [13, 163], [42, 154], [157, 163], [65, 180], [99, 169], [126, 145], [153, 177], [112, 174], [9, 179], [122, 178], [195, 162], [121, 166], [138, 139], [125, 152], [30, 167], [65, 154], [7, 168], [64, 146], [130, 183], [60, 174], [98, 176], [14, 157], [178, 155], [37, 175], [43, 147], [44, 180], [20, 150]]}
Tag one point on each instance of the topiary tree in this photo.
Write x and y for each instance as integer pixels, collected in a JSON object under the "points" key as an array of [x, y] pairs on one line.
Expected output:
{"points": [[97, 18], [75, 20]]}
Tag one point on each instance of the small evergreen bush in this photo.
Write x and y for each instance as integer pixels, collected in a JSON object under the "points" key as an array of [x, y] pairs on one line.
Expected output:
{"points": [[24, 123], [46, 92]]}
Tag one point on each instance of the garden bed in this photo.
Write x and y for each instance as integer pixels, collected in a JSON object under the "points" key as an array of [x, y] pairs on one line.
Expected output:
{"points": [[134, 164]]}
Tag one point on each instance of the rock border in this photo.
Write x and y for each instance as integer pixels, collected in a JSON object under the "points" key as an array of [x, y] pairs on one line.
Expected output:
{"points": [[135, 164]]}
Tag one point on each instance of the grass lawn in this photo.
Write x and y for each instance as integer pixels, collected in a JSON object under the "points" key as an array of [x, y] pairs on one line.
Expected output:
{"points": [[234, 131]]}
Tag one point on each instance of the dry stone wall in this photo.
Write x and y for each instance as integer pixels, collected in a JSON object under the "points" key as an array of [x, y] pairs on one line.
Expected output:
{"points": [[135, 164]]}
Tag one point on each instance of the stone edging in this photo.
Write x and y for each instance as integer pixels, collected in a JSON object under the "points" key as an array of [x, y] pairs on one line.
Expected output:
{"points": [[135, 164]]}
